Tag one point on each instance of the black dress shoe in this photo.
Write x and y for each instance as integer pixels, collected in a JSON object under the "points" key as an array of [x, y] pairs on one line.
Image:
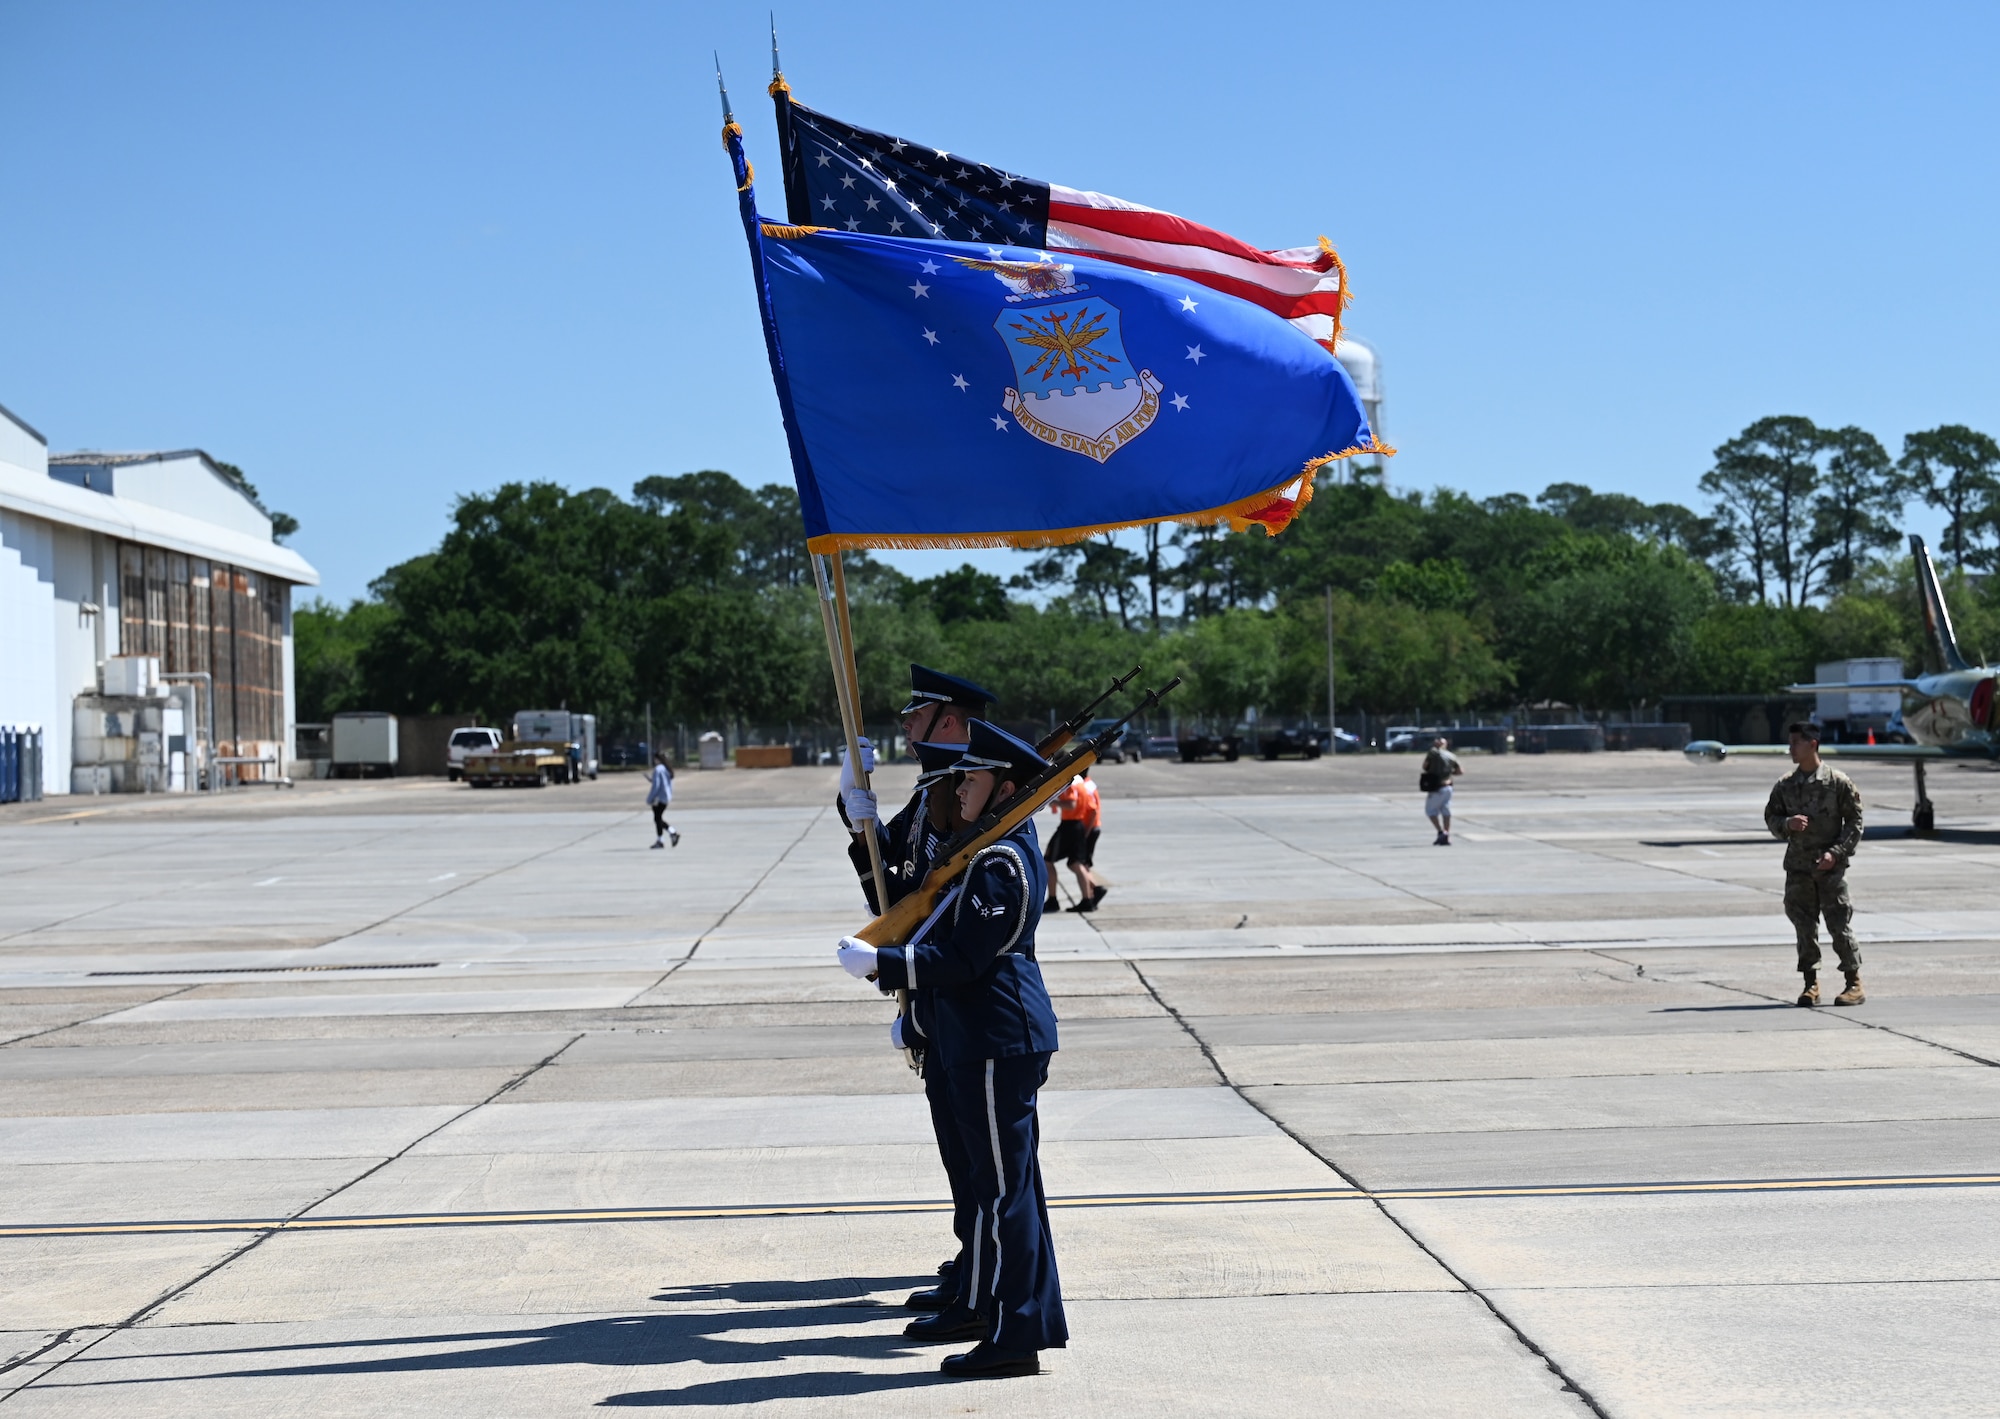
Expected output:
{"points": [[987, 1361], [935, 1299], [958, 1323]]}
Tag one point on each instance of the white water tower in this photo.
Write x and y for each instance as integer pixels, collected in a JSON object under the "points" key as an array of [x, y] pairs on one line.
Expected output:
{"points": [[1364, 367]]}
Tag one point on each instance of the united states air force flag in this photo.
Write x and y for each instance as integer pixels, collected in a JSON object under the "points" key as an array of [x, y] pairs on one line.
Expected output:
{"points": [[941, 393]]}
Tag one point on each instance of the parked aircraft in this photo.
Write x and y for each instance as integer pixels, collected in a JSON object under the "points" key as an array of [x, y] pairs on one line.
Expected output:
{"points": [[1950, 714]]}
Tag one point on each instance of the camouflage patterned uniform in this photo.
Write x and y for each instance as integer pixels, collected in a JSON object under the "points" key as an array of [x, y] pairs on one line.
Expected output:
{"points": [[1832, 807]]}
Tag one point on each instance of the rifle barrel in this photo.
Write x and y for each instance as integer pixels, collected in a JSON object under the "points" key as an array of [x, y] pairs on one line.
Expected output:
{"points": [[1066, 731]]}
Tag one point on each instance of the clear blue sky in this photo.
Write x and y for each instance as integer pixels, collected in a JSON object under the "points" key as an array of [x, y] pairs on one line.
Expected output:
{"points": [[381, 254]]}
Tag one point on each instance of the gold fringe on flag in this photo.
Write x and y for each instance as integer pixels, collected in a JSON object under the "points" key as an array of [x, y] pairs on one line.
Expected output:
{"points": [[1273, 510]]}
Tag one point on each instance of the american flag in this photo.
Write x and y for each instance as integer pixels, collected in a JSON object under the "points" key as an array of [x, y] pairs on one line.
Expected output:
{"points": [[857, 180]]}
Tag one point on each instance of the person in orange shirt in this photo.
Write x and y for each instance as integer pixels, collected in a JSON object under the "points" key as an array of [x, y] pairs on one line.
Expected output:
{"points": [[1075, 838]]}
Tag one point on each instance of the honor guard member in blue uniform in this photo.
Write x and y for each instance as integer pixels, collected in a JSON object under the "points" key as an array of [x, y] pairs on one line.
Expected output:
{"points": [[933, 810], [995, 1033], [939, 709]]}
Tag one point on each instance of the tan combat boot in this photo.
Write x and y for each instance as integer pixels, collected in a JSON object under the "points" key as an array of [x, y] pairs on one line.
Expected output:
{"points": [[1810, 995], [1854, 994]]}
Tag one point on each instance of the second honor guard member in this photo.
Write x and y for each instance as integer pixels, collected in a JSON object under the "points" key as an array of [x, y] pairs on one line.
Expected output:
{"points": [[934, 806], [1816, 809], [995, 1034], [939, 709]]}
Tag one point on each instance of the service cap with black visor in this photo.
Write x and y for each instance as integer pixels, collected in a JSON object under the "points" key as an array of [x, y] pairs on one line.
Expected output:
{"points": [[938, 710]]}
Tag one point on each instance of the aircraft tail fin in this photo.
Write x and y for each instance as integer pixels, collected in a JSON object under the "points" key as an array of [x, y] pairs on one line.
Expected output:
{"points": [[1937, 617]]}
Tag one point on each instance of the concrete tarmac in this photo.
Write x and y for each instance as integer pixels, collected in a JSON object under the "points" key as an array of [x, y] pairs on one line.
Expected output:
{"points": [[379, 1098]]}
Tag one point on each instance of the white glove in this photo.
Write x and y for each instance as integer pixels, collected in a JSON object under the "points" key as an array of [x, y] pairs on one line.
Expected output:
{"points": [[860, 806], [896, 1033], [847, 769], [857, 958]]}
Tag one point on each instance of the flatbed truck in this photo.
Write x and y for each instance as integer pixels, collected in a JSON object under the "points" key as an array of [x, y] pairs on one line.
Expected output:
{"points": [[514, 763]]}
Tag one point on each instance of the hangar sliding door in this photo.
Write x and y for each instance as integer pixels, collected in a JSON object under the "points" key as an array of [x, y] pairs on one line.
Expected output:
{"points": [[197, 615]]}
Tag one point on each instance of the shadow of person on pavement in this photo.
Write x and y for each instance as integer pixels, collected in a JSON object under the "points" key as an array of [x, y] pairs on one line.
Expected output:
{"points": [[760, 1323]]}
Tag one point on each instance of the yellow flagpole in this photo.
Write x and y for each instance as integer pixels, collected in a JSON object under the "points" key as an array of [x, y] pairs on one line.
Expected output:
{"points": [[839, 628]]}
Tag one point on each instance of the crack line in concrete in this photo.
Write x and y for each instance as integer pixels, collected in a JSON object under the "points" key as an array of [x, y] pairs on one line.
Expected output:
{"points": [[1322, 858], [209, 884], [1569, 1385], [119, 1008], [152, 1307], [1841, 1013], [734, 907]]}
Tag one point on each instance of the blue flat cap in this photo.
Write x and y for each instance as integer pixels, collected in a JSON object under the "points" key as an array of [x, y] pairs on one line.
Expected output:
{"points": [[994, 748], [934, 687], [938, 761]]}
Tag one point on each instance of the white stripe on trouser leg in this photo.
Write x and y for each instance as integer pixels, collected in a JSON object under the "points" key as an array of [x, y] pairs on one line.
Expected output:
{"points": [[999, 1183], [972, 1292]]}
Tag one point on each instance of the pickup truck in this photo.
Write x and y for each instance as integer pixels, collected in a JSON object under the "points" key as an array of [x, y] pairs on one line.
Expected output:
{"points": [[1203, 746]]}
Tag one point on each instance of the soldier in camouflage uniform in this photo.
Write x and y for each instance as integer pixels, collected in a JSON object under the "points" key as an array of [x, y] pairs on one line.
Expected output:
{"points": [[1816, 809]]}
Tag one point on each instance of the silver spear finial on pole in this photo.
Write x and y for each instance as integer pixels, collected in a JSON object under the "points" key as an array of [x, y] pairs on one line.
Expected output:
{"points": [[723, 89]]}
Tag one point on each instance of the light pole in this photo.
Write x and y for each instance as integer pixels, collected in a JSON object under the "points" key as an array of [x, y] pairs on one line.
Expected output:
{"points": [[1332, 742]]}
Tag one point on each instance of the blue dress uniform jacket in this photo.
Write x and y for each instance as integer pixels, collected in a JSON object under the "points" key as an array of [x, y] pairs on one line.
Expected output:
{"points": [[979, 959]]}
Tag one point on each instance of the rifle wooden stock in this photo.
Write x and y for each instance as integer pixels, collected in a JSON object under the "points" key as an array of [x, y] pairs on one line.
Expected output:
{"points": [[898, 924]]}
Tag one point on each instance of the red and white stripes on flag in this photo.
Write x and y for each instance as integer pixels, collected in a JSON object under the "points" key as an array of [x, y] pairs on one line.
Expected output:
{"points": [[1305, 285]]}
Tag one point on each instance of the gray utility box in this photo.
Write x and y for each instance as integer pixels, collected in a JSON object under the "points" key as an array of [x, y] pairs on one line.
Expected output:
{"points": [[560, 727], [364, 740]]}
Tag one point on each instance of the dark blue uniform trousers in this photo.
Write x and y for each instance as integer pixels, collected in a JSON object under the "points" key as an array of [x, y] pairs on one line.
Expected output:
{"points": [[951, 1152], [1012, 1276]]}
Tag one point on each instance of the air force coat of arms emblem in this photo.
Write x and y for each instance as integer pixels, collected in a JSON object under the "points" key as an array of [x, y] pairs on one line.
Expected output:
{"points": [[1074, 386]]}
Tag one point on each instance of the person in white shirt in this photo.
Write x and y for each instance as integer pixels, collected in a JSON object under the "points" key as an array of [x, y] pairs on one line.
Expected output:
{"points": [[659, 794], [1441, 766]]}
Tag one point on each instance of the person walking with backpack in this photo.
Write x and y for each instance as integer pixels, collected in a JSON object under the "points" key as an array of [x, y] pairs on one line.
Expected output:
{"points": [[1441, 766], [659, 793]]}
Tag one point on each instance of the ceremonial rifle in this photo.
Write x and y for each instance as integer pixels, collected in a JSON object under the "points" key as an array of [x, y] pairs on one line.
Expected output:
{"points": [[896, 925], [1066, 731]]}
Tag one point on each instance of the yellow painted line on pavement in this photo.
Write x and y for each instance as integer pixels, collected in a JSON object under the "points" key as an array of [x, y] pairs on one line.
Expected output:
{"points": [[863, 1209]]}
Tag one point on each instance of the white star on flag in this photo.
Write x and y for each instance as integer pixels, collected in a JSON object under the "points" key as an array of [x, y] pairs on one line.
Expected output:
{"points": [[1000, 423], [931, 335], [920, 291], [929, 268], [1188, 303], [1180, 402], [1195, 353], [960, 382]]}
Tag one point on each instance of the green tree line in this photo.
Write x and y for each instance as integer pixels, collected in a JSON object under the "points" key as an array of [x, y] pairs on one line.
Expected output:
{"points": [[693, 595]]}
